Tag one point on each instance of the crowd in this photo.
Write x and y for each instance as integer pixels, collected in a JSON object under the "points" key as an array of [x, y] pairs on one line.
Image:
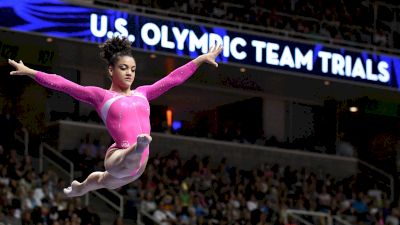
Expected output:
{"points": [[335, 19], [192, 192], [174, 191], [28, 197]]}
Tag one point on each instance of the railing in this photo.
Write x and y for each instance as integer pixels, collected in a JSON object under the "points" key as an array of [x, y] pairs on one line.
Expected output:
{"points": [[24, 140], [380, 177], [46, 152], [243, 26], [319, 218], [394, 8], [103, 196], [65, 165], [149, 218], [339, 220]]}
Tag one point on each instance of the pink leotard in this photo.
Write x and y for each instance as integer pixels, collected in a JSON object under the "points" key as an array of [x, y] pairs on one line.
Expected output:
{"points": [[124, 116]]}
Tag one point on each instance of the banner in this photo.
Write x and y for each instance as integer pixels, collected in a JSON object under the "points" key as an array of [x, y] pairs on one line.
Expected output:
{"points": [[60, 19], [38, 55]]}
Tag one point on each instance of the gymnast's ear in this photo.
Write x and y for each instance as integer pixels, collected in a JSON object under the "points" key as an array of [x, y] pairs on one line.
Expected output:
{"points": [[110, 70]]}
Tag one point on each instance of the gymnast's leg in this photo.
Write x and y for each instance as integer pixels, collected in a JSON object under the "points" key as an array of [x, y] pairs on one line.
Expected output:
{"points": [[122, 167], [97, 180], [121, 163]]}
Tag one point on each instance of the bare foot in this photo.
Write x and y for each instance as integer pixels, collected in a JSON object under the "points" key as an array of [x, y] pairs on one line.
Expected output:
{"points": [[73, 190], [142, 141]]}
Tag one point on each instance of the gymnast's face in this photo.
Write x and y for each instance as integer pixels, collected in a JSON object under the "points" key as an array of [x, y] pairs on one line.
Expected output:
{"points": [[123, 72]]}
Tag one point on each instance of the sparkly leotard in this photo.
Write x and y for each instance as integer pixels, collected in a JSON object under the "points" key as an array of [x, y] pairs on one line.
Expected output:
{"points": [[124, 116]]}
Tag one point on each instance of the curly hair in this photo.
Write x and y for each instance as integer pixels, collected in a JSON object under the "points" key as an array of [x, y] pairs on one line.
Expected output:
{"points": [[114, 48]]}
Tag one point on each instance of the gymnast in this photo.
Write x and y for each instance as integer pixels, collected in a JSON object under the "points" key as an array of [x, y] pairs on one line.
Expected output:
{"points": [[125, 112]]}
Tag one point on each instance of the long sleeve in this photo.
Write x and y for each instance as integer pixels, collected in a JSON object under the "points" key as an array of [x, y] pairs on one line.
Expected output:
{"points": [[175, 78], [89, 94]]}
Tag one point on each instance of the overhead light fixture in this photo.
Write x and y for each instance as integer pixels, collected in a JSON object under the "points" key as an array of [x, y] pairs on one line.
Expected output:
{"points": [[49, 39], [153, 56], [242, 69], [327, 83], [353, 109]]}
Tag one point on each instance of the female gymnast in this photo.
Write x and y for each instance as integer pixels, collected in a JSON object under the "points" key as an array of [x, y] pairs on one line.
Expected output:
{"points": [[125, 112]]}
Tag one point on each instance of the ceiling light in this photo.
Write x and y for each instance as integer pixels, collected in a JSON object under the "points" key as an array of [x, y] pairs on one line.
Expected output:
{"points": [[353, 109]]}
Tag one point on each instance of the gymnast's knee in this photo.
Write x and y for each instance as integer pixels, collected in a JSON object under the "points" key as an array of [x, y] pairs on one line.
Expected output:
{"points": [[101, 180]]}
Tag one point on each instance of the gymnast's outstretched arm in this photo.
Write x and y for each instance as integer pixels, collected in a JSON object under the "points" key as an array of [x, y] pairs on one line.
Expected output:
{"points": [[179, 75], [90, 94]]}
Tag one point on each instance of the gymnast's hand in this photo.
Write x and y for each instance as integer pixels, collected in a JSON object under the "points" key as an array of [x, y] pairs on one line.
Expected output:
{"points": [[21, 69], [210, 56]]}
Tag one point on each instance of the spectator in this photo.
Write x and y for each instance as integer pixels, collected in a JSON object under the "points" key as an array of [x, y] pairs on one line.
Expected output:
{"points": [[285, 14], [164, 215], [381, 38], [88, 149], [148, 204], [343, 147]]}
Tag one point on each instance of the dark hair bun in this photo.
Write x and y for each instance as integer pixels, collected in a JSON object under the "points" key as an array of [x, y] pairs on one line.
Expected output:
{"points": [[115, 47]]}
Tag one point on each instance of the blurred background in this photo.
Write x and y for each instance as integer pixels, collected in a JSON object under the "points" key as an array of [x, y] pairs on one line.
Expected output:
{"points": [[299, 124]]}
